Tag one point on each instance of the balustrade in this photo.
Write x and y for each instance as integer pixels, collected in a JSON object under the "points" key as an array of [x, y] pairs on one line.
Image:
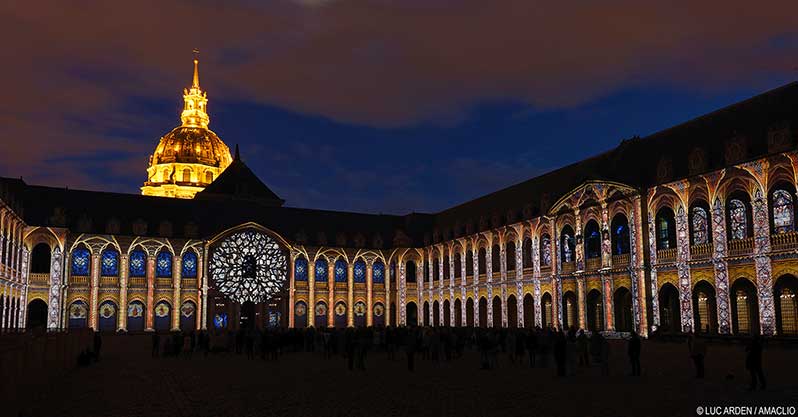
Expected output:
{"points": [[784, 241], [621, 260], [702, 251], [740, 247], [666, 255]]}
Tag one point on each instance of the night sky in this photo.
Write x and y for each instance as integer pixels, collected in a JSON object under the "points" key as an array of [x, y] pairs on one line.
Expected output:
{"points": [[372, 105]]}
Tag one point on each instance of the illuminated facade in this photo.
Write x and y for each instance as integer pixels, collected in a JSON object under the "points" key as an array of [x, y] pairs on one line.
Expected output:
{"points": [[688, 230], [190, 156]]}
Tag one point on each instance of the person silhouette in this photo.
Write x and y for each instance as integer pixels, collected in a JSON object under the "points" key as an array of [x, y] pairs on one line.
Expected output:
{"points": [[753, 362], [634, 353]]}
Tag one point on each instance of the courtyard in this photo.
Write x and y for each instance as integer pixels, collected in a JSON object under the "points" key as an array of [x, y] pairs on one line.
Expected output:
{"points": [[128, 382]]}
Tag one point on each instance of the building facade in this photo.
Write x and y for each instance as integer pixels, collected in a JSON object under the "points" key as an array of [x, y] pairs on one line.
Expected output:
{"points": [[688, 230]]}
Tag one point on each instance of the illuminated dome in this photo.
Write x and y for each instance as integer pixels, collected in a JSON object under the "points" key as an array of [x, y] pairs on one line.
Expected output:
{"points": [[191, 156]]}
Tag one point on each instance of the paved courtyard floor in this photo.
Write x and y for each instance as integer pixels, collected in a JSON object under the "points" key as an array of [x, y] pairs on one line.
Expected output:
{"points": [[127, 382]]}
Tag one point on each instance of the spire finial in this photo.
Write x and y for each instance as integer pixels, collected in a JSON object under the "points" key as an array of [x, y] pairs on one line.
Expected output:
{"points": [[237, 157], [195, 84]]}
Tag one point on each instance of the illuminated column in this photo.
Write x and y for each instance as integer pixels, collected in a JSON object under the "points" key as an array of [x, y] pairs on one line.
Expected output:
{"points": [[149, 322], [519, 277], [556, 300], [452, 320], [369, 286], [489, 275], [420, 283], [720, 266], [652, 257], [536, 279], [291, 290], [463, 282], [475, 270], [389, 272], [177, 276], [503, 278], [764, 279], [402, 308], [606, 241], [580, 294], [637, 269], [54, 293], [430, 273], [330, 293], [202, 307], [350, 295], [3, 307], [580, 244], [311, 294], [440, 286], [123, 278], [683, 269], [95, 287]]}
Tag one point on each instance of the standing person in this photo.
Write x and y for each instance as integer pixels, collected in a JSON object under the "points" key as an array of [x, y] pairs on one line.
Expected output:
{"points": [[698, 351], [753, 362], [98, 344], [604, 355], [156, 344], [582, 349], [410, 348], [559, 352], [634, 353]]}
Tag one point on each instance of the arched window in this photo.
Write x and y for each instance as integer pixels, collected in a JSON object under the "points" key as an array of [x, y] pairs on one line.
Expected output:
{"points": [[526, 253], [436, 268], [789, 312], [340, 270], [481, 260], [110, 263], [699, 223], [410, 271], [783, 212], [567, 244], [208, 177], [360, 271], [301, 269], [620, 235], [163, 264], [495, 255], [545, 250], [738, 219], [80, 261], [186, 175], [458, 265], [189, 265], [510, 256], [40, 259], [592, 240], [321, 270], [666, 229], [378, 272], [137, 263], [469, 262]]}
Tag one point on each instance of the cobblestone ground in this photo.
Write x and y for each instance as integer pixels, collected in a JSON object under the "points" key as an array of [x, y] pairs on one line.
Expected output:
{"points": [[127, 382]]}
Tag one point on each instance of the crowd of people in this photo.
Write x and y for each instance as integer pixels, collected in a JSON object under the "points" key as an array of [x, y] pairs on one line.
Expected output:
{"points": [[565, 351]]}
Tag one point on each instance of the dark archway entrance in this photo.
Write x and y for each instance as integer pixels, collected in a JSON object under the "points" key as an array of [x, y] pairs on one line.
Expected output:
{"points": [[704, 308], [470, 312], [436, 314], [529, 311], [458, 313], [37, 314], [512, 312], [483, 312], [425, 319], [623, 310], [412, 314], [497, 312], [595, 311], [246, 319], [447, 314], [744, 307], [785, 293], [670, 317], [570, 317]]}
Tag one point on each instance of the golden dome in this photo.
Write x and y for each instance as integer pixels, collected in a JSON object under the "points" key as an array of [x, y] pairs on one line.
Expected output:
{"points": [[191, 156], [192, 145]]}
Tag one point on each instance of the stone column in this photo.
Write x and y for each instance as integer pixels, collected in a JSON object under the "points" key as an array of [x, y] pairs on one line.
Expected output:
{"points": [[636, 269], [387, 274], [420, 283], [350, 295], [683, 269], [123, 280], [94, 288], [580, 295], [54, 293], [579, 247], [463, 283], [652, 256], [606, 299], [452, 274], [291, 289], [475, 269], [401, 313], [150, 317], [536, 279], [519, 277], [720, 267], [489, 275], [503, 277], [177, 276], [764, 279], [369, 288], [330, 294], [606, 237], [440, 288], [431, 272], [311, 293], [202, 313]]}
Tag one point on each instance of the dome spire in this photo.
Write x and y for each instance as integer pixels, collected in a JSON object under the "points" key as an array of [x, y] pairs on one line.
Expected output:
{"points": [[195, 84], [195, 101]]}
